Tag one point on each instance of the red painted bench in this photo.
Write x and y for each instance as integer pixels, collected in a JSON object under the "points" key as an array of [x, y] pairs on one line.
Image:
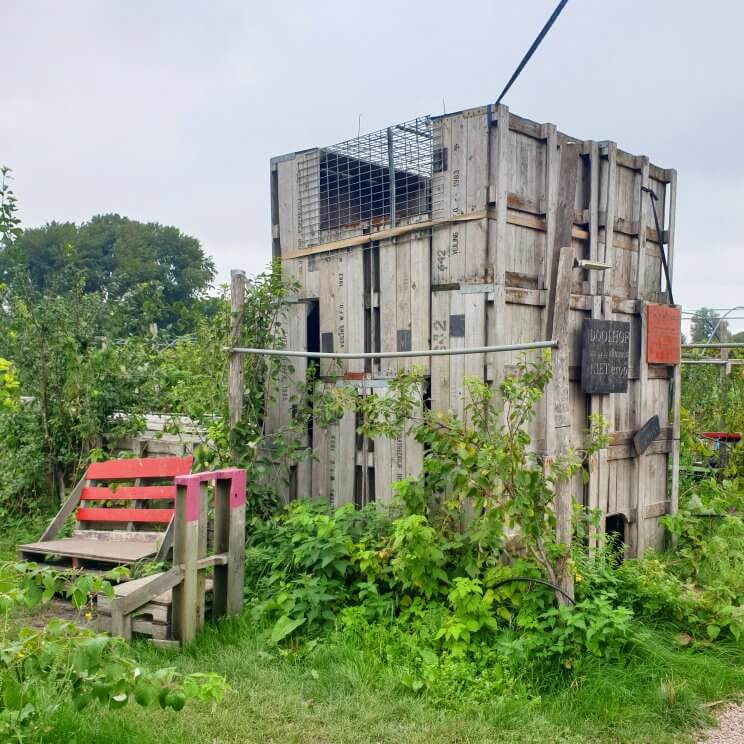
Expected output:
{"points": [[143, 492]]}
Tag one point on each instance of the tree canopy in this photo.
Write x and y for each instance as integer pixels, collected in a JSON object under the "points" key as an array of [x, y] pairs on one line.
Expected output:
{"points": [[151, 272], [707, 323]]}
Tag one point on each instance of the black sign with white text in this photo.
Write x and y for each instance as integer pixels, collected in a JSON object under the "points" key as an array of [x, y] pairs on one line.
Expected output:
{"points": [[605, 354]]}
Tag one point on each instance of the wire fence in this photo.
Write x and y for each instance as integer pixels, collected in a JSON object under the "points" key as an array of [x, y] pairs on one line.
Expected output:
{"points": [[375, 179]]}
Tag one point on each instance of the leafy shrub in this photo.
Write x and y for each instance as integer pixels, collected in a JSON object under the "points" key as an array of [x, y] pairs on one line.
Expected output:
{"points": [[469, 618], [44, 669], [566, 634], [418, 559]]}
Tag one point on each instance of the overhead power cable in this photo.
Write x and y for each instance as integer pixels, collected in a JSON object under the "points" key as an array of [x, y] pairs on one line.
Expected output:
{"points": [[535, 44]]}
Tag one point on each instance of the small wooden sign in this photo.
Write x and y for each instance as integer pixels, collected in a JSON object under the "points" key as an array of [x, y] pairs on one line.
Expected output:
{"points": [[663, 334], [646, 434], [605, 353]]}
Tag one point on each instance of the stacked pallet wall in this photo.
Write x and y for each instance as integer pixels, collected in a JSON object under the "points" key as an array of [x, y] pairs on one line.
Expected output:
{"points": [[495, 198]]}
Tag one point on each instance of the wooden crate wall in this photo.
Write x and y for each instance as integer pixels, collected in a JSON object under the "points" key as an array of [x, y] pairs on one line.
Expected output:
{"points": [[483, 277]]}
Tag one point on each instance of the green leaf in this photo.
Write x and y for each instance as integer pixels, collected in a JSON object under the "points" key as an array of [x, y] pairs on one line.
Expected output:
{"points": [[713, 632], [284, 626], [12, 694]]}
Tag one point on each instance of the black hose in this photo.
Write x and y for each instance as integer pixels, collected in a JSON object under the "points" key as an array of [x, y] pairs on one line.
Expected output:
{"points": [[660, 239], [531, 50]]}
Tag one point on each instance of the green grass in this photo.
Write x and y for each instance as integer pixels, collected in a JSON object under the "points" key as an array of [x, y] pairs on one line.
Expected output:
{"points": [[343, 693]]}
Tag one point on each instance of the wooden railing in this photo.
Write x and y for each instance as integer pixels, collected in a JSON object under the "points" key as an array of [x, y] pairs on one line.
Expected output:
{"points": [[187, 578]]}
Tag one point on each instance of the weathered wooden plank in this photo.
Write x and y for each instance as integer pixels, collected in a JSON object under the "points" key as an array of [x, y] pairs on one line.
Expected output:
{"points": [[105, 551], [420, 296], [640, 283], [134, 598], [476, 194], [641, 415], [128, 493], [475, 335], [498, 177], [201, 552], [458, 157], [327, 310], [344, 471], [110, 514], [152, 467], [441, 202], [287, 207], [403, 310], [440, 339], [67, 509], [677, 386], [552, 169], [185, 549], [388, 305], [354, 312], [457, 330]]}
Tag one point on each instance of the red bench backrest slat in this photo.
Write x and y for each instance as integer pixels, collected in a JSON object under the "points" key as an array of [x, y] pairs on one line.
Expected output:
{"points": [[128, 493], [165, 468], [110, 514], [148, 467]]}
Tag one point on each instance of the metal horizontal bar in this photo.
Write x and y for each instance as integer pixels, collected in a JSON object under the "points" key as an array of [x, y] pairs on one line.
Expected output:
{"points": [[727, 345], [395, 354], [713, 361]]}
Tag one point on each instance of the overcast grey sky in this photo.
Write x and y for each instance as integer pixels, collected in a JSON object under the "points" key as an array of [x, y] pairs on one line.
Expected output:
{"points": [[170, 110]]}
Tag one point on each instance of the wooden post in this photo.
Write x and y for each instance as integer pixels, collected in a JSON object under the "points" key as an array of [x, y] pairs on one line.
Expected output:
{"points": [[559, 300], [185, 548], [229, 538], [121, 623], [201, 578], [235, 389], [67, 508], [236, 545], [221, 545], [676, 402], [562, 409], [725, 370]]}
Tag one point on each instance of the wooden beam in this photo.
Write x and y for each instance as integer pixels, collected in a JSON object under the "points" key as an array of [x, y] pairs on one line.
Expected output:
{"points": [[235, 384], [146, 467], [216, 559], [121, 622], [166, 543], [185, 548], [109, 514], [158, 584], [558, 310], [66, 510]]}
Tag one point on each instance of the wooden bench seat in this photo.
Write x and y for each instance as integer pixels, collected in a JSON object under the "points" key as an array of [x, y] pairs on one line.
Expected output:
{"points": [[118, 552], [121, 508]]}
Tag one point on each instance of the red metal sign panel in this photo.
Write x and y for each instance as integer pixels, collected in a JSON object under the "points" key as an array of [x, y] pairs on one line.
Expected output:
{"points": [[664, 334]]}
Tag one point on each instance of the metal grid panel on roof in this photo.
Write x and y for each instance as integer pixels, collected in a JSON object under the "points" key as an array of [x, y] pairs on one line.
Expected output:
{"points": [[377, 179]]}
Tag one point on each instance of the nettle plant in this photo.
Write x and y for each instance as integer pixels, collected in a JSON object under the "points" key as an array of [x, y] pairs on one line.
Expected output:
{"points": [[44, 669], [481, 481]]}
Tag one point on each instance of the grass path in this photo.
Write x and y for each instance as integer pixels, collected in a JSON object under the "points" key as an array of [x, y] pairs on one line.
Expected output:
{"points": [[343, 694]]}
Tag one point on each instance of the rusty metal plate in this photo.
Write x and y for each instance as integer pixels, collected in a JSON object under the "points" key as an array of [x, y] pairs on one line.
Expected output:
{"points": [[664, 334]]}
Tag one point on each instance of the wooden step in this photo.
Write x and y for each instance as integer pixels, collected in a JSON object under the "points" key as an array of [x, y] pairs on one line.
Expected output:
{"points": [[152, 619]]}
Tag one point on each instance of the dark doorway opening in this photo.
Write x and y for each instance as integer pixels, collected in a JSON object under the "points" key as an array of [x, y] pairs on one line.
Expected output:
{"points": [[312, 336], [616, 530]]}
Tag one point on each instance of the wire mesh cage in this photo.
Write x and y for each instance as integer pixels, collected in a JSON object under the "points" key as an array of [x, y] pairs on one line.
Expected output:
{"points": [[377, 179]]}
